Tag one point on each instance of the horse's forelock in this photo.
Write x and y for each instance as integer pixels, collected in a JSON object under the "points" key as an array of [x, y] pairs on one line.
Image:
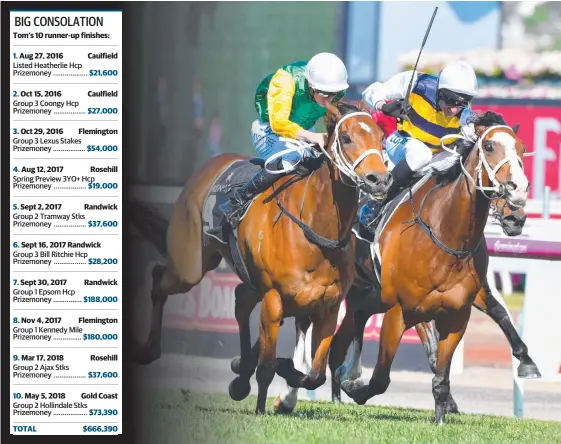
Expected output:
{"points": [[344, 108], [487, 119]]}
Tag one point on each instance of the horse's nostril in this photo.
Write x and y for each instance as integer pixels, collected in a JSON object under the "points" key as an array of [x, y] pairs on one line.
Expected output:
{"points": [[511, 185], [373, 178]]}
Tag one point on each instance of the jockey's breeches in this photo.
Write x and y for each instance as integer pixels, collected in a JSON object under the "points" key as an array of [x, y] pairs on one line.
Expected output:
{"points": [[415, 152], [267, 143]]}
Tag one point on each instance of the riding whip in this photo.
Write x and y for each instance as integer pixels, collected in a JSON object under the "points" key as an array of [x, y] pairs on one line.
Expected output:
{"points": [[407, 103]]}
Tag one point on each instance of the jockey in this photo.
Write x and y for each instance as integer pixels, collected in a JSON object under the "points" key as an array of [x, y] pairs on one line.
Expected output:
{"points": [[440, 105], [289, 102]]}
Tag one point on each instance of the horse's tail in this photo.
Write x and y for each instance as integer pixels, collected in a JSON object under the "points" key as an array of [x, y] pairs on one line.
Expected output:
{"points": [[151, 224]]}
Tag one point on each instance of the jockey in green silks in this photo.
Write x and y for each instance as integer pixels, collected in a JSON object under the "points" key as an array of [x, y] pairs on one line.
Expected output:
{"points": [[289, 102]]}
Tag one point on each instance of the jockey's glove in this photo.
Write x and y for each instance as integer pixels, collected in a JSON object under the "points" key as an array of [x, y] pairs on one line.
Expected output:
{"points": [[395, 109], [469, 132]]}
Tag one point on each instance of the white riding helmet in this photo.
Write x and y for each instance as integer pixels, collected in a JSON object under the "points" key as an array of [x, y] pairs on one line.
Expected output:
{"points": [[326, 72], [460, 78]]}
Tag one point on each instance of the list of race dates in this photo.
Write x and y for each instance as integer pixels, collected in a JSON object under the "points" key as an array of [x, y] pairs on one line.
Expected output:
{"points": [[92, 141], [61, 63], [62, 253], [94, 217], [66, 222], [47, 291], [65, 328], [47, 177]]}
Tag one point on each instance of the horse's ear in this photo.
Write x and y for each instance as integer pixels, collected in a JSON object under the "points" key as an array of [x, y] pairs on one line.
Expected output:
{"points": [[334, 111], [515, 128], [362, 106]]}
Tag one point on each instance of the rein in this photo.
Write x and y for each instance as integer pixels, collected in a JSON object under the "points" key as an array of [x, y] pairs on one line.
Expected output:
{"points": [[460, 254], [477, 183], [496, 187], [347, 168]]}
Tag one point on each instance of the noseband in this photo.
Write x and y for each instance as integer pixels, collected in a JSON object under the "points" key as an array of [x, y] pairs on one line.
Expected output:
{"points": [[340, 160], [496, 189]]}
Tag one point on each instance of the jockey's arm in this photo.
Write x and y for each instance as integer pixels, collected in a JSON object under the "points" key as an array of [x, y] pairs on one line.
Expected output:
{"points": [[393, 89], [279, 104], [467, 128]]}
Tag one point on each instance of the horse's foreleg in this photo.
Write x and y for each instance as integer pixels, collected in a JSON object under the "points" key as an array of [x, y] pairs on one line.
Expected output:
{"points": [[353, 336], [341, 342], [244, 365], [271, 316], [486, 302], [322, 336], [392, 331], [429, 338], [164, 283], [286, 401], [451, 329]]}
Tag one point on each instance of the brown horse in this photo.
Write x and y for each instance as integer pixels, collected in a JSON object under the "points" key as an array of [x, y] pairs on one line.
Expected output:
{"points": [[296, 266], [363, 301], [433, 255]]}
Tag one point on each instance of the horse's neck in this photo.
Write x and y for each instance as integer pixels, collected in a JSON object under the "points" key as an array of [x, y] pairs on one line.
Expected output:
{"points": [[462, 210], [332, 206]]}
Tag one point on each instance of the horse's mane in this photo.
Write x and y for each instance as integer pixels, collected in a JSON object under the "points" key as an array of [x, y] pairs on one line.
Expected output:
{"points": [[330, 121], [488, 118]]}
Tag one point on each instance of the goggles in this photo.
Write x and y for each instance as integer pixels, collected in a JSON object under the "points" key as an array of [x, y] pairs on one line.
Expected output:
{"points": [[338, 95], [453, 99]]}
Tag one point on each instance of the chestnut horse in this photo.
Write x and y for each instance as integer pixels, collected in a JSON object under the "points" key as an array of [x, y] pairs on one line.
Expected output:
{"points": [[297, 266], [363, 301], [433, 255]]}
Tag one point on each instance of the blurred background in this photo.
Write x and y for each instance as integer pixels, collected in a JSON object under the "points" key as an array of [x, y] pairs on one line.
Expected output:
{"points": [[199, 63]]}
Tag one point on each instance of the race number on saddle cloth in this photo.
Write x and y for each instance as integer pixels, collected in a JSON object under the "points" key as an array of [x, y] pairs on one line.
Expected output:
{"points": [[439, 106], [289, 102]]}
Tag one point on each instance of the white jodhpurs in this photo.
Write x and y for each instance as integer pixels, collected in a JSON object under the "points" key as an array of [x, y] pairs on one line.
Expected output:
{"points": [[267, 143], [417, 154]]}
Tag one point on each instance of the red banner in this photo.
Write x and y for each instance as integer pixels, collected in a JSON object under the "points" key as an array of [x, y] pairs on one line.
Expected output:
{"points": [[540, 129], [210, 307]]}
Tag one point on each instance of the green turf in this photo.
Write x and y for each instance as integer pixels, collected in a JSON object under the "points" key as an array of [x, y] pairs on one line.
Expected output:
{"points": [[181, 417]]}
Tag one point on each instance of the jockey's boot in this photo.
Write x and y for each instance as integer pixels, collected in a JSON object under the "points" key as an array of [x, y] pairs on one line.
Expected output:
{"points": [[402, 175], [233, 207]]}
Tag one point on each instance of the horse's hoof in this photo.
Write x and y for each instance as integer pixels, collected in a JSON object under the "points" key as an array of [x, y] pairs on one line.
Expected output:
{"points": [[239, 389], [235, 364], [451, 406], [336, 399], [529, 371], [280, 407], [355, 390]]}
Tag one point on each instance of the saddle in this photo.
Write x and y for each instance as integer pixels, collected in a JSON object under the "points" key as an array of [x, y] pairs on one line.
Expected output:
{"points": [[225, 185]]}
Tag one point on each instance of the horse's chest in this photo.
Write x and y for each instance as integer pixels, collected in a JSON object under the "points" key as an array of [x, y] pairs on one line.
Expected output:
{"points": [[442, 300]]}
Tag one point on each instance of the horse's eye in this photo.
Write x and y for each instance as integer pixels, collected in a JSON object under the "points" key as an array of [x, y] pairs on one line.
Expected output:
{"points": [[488, 146], [346, 139]]}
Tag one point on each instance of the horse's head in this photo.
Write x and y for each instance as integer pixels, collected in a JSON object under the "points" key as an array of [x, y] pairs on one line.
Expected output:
{"points": [[355, 148], [512, 221], [500, 154]]}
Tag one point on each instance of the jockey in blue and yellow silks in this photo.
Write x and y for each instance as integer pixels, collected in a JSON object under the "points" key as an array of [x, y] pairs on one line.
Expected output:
{"points": [[289, 102], [440, 105]]}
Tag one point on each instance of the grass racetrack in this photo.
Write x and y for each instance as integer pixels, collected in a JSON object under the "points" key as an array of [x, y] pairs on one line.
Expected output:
{"points": [[179, 416]]}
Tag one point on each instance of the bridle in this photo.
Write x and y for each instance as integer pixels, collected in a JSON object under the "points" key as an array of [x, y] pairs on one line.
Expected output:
{"points": [[497, 189], [338, 158]]}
